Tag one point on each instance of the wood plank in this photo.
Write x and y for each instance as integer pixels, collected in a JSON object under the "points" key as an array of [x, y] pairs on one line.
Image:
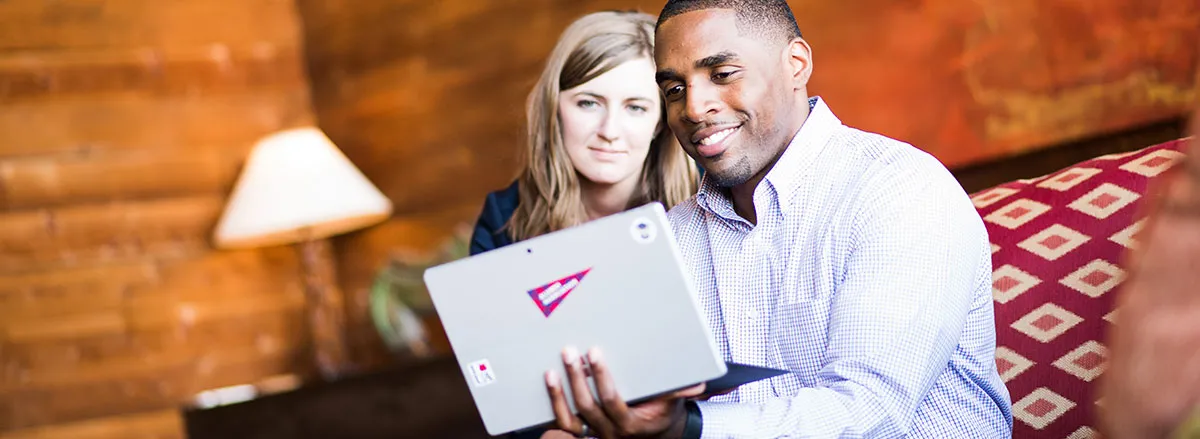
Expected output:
{"points": [[34, 328], [53, 293], [167, 312], [152, 72], [29, 361], [165, 388], [210, 302], [36, 24], [159, 424], [215, 277], [267, 332], [159, 313], [83, 235], [95, 124], [53, 181]]}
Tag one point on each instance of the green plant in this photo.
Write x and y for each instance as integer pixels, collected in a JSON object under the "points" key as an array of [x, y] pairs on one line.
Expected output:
{"points": [[399, 300]]}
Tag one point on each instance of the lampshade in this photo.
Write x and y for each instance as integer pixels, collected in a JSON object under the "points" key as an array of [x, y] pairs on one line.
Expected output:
{"points": [[296, 186]]}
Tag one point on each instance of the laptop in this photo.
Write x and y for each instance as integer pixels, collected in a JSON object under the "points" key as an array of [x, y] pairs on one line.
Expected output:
{"points": [[616, 283]]}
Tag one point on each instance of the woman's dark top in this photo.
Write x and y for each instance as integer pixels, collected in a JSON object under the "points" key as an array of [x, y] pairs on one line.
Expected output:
{"points": [[489, 231]]}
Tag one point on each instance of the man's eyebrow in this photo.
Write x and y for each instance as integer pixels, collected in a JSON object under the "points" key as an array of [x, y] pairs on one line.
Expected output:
{"points": [[716, 60], [665, 75], [703, 63]]}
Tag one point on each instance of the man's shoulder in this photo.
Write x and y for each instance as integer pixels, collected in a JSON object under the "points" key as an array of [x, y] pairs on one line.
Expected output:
{"points": [[884, 161], [878, 148]]}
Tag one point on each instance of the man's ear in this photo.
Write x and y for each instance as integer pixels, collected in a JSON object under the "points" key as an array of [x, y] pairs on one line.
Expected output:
{"points": [[800, 63]]}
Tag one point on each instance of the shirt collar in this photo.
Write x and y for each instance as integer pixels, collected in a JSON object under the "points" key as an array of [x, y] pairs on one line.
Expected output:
{"points": [[786, 176]]}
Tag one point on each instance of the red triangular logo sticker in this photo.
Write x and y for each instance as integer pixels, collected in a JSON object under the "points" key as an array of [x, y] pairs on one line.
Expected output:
{"points": [[548, 297]]}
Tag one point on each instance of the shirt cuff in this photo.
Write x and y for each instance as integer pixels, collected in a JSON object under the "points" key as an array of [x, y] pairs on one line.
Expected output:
{"points": [[721, 419]]}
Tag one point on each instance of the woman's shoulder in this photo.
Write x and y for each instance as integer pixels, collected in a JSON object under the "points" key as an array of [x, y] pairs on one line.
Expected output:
{"points": [[503, 201], [498, 208]]}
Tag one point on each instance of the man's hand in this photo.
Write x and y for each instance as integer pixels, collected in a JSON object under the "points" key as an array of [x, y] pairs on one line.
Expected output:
{"points": [[1153, 379], [610, 417]]}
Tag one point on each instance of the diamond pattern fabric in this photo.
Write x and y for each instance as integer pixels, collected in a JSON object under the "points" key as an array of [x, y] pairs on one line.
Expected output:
{"points": [[1057, 245]]}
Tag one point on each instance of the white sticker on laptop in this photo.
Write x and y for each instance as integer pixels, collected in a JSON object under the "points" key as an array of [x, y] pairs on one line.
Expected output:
{"points": [[482, 373], [643, 230]]}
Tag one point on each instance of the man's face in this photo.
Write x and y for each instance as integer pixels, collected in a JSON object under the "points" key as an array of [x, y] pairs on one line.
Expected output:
{"points": [[724, 94]]}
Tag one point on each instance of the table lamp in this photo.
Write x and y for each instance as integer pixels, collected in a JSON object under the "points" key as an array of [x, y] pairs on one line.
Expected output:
{"points": [[298, 188]]}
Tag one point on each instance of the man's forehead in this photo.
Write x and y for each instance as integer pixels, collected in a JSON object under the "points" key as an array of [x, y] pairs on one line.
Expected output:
{"points": [[692, 35]]}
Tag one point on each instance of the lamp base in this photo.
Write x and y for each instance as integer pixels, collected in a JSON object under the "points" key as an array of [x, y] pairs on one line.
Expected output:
{"points": [[325, 308]]}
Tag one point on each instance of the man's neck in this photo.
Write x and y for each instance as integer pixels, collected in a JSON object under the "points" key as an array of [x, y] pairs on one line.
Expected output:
{"points": [[743, 194], [743, 198], [601, 200]]}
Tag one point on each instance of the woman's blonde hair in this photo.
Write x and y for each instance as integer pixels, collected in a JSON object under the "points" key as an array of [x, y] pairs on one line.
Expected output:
{"points": [[548, 186]]}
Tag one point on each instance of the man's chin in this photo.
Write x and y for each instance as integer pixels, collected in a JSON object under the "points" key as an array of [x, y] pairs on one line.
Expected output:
{"points": [[729, 175]]}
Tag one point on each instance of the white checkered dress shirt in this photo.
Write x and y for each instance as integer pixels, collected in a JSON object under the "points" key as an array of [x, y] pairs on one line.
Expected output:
{"points": [[868, 276]]}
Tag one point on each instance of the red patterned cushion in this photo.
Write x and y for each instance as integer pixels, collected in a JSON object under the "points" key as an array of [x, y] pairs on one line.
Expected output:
{"points": [[1057, 242]]}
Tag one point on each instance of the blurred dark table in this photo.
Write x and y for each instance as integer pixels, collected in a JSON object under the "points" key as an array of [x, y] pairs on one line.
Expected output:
{"points": [[426, 399]]}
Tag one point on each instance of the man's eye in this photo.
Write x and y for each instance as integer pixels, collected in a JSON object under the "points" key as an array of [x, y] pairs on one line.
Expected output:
{"points": [[722, 76], [673, 90]]}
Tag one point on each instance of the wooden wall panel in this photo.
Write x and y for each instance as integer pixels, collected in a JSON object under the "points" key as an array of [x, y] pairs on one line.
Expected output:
{"points": [[92, 234], [124, 126], [206, 70], [161, 424], [90, 124], [427, 97], [54, 25], [51, 182]]}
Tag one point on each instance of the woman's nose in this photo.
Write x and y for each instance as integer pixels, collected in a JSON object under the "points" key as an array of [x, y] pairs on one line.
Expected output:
{"points": [[610, 127]]}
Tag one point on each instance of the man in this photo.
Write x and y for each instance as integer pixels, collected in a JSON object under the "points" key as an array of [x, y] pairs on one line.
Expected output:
{"points": [[854, 261], [1152, 385]]}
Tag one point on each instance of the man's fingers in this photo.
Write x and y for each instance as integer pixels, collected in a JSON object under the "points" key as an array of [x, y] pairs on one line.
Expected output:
{"points": [[606, 387], [690, 392], [585, 403], [558, 434], [558, 401]]}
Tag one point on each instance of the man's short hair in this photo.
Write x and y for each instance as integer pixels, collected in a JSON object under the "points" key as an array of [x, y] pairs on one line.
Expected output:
{"points": [[771, 20]]}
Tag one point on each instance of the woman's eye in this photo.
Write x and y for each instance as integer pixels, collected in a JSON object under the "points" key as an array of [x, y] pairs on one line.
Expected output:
{"points": [[587, 103], [638, 109]]}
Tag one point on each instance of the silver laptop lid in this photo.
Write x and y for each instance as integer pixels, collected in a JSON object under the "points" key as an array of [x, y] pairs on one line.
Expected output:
{"points": [[615, 282]]}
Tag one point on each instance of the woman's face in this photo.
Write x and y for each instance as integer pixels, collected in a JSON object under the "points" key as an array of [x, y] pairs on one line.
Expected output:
{"points": [[609, 122]]}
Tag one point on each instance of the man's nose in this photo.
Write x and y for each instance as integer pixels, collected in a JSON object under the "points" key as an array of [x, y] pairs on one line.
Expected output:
{"points": [[700, 103]]}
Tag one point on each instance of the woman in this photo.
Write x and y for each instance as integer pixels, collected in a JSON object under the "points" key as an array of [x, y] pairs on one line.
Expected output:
{"points": [[596, 142]]}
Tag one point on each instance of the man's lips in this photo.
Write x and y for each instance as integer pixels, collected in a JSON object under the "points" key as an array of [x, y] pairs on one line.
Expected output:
{"points": [[714, 133], [712, 141]]}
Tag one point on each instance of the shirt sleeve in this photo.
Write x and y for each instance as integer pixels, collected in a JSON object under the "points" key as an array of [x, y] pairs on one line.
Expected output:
{"points": [[909, 280]]}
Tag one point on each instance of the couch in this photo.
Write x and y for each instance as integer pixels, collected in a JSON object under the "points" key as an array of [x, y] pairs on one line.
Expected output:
{"points": [[1058, 243]]}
